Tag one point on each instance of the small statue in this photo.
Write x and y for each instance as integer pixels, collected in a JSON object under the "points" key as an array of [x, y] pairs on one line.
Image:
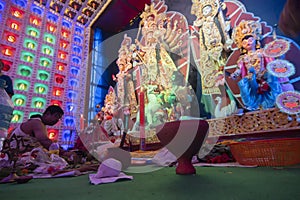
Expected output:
{"points": [[258, 87]]}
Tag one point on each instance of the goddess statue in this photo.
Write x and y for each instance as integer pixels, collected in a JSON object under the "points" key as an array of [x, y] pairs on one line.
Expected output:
{"points": [[156, 39], [258, 87], [214, 46], [125, 87]]}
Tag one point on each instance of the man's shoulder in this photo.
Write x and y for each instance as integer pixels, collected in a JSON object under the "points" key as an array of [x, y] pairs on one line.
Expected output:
{"points": [[35, 122]]}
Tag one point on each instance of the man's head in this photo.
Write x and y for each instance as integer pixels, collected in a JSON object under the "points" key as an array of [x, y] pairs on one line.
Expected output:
{"points": [[52, 115]]}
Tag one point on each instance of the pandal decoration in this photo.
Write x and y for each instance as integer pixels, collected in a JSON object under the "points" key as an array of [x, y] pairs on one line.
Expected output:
{"points": [[281, 68], [289, 102], [276, 48]]}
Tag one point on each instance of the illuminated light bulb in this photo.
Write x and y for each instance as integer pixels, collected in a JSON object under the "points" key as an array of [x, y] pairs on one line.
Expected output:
{"points": [[47, 51], [6, 67], [40, 89], [7, 52], [25, 72], [19, 102], [11, 38], [16, 118], [17, 14], [52, 135], [35, 22], [72, 95], [45, 63], [62, 56], [30, 45], [28, 58], [70, 108], [57, 92], [38, 104], [74, 71], [60, 67], [76, 60], [14, 26], [43, 76], [69, 122], [49, 40], [22, 86], [66, 134], [51, 28], [59, 80], [63, 45], [65, 34], [57, 103], [33, 33]]}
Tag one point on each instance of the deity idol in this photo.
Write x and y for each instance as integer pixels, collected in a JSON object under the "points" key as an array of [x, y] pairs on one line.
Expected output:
{"points": [[156, 38], [258, 87], [214, 44], [125, 87]]}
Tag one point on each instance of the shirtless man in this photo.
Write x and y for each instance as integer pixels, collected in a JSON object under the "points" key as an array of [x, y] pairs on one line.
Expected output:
{"points": [[35, 127]]}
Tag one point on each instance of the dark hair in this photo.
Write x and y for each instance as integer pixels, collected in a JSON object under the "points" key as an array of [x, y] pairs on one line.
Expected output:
{"points": [[54, 109]]}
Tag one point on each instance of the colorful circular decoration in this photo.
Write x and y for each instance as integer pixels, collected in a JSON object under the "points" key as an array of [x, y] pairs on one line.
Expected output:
{"points": [[276, 48], [281, 68], [289, 102]]}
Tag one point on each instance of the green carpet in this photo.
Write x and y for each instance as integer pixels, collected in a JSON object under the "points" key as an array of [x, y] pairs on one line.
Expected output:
{"points": [[214, 183]]}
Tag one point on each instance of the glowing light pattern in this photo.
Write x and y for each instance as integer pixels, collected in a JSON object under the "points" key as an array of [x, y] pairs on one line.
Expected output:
{"points": [[51, 28], [59, 79], [71, 107], [49, 38], [62, 55], [40, 88], [13, 24], [19, 100], [37, 46], [47, 50], [31, 44], [32, 31], [53, 134], [21, 3], [17, 116], [10, 37], [57, 91], [64, 44], [37, 10], [56, 102], [66, 24], [61, 66], [65, 33], [38, 102], [21, 84], [43, 75], [79, 30], [52, 17], [35, 20], [24, 70], [27, 56], [78, 40], [7, 50], [17, 12], [45, 62]]}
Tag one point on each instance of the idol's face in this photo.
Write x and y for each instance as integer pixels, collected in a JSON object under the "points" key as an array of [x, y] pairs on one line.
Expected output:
{"points": [[248, 43], [206, 10]]}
